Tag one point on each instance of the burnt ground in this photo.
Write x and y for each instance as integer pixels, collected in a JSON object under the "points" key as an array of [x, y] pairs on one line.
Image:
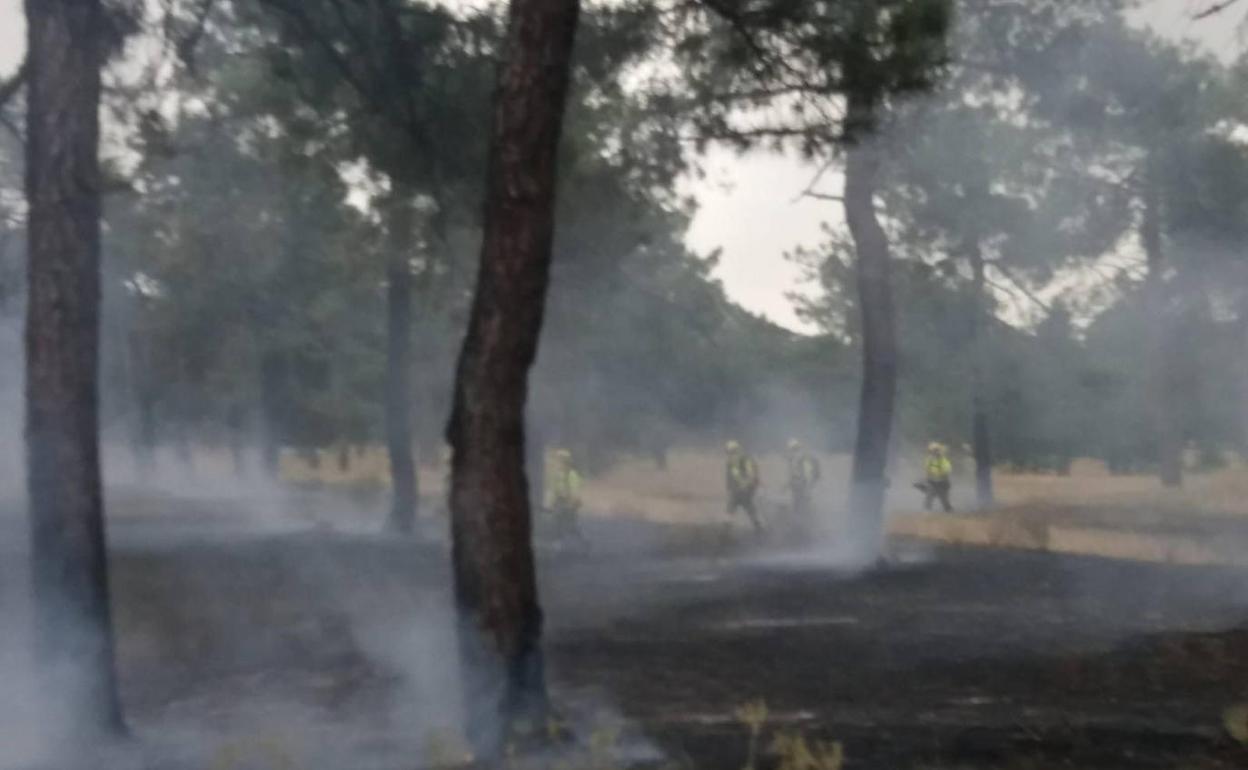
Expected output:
{"points": [[943, 659], [967, 659]]}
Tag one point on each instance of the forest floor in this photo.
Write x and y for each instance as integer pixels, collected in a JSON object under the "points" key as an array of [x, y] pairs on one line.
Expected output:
{"points": [[277, 631]]}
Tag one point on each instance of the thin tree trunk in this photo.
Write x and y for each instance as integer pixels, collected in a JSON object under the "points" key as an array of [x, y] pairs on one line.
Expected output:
{"points": [[145, 450], [403, 504], [73, 623], [144, 397], [980, 440], [272, 396], [1167, 429], [238, 454], [235, 420], [495, 583], [879, 344], [183, 449], [1243, 374]]}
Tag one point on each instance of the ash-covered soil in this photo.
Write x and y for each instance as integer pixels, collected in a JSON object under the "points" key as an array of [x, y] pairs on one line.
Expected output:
{"points": [[966, 659], [325, 649]]}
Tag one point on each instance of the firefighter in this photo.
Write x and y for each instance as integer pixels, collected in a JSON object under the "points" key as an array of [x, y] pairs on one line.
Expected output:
{"points": [[565, 496], [936, 481], [804, 473], [741, 476]]}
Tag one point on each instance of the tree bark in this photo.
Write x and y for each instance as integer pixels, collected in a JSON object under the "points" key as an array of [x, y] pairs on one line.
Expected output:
{"points": [[879, 343], [500, 620], [980, 319], [1168, 433], [404, 501], [73, 623]]}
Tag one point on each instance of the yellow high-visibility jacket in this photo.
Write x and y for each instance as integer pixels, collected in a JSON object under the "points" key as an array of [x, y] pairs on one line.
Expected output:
{"points": [[938, 468], [742, 473], [565, 488], [803, 471]]}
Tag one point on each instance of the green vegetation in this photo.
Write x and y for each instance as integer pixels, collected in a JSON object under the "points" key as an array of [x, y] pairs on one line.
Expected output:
{"points": [[247, 251]]}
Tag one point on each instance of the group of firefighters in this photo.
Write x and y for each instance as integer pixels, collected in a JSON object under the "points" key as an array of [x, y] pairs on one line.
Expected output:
{"points": [[742, 480]]}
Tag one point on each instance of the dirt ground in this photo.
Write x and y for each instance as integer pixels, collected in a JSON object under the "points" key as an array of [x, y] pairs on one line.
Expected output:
{"points": [[259, 632]]}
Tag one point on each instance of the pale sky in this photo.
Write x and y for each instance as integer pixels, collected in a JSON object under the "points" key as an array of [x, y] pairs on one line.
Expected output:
{"points": [[748, 205], [755, 220]]}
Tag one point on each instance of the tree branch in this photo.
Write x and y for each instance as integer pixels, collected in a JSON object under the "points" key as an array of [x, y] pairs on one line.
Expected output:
{"points": [[1214, 9], [362, 43], [309, 28], [384, 86], [10, 87], [11, 127], [758, 132], [810, 192], [741, 26], [186, 44], [1009, 276]]}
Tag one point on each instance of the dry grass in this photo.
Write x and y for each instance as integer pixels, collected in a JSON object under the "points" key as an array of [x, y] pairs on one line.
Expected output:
{"points": [[691, 489], [364, 466], [1223, 492], [1092, 512]]}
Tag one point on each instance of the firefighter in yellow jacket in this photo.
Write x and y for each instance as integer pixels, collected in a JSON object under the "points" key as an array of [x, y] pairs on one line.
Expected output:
{"points": [[565, 496], [937, 477], [804, 472], [741, 477]]}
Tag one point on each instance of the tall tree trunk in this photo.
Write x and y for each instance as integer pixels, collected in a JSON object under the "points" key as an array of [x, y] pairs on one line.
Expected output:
{"points": [[73, 623], [238, 454], [143, 394], [980, 321], [403, 504], [145, 440], [1168, 433], [184, 450], [879, 344], [273, 393], [1243, 374], [235, 421], [495, 583]]}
